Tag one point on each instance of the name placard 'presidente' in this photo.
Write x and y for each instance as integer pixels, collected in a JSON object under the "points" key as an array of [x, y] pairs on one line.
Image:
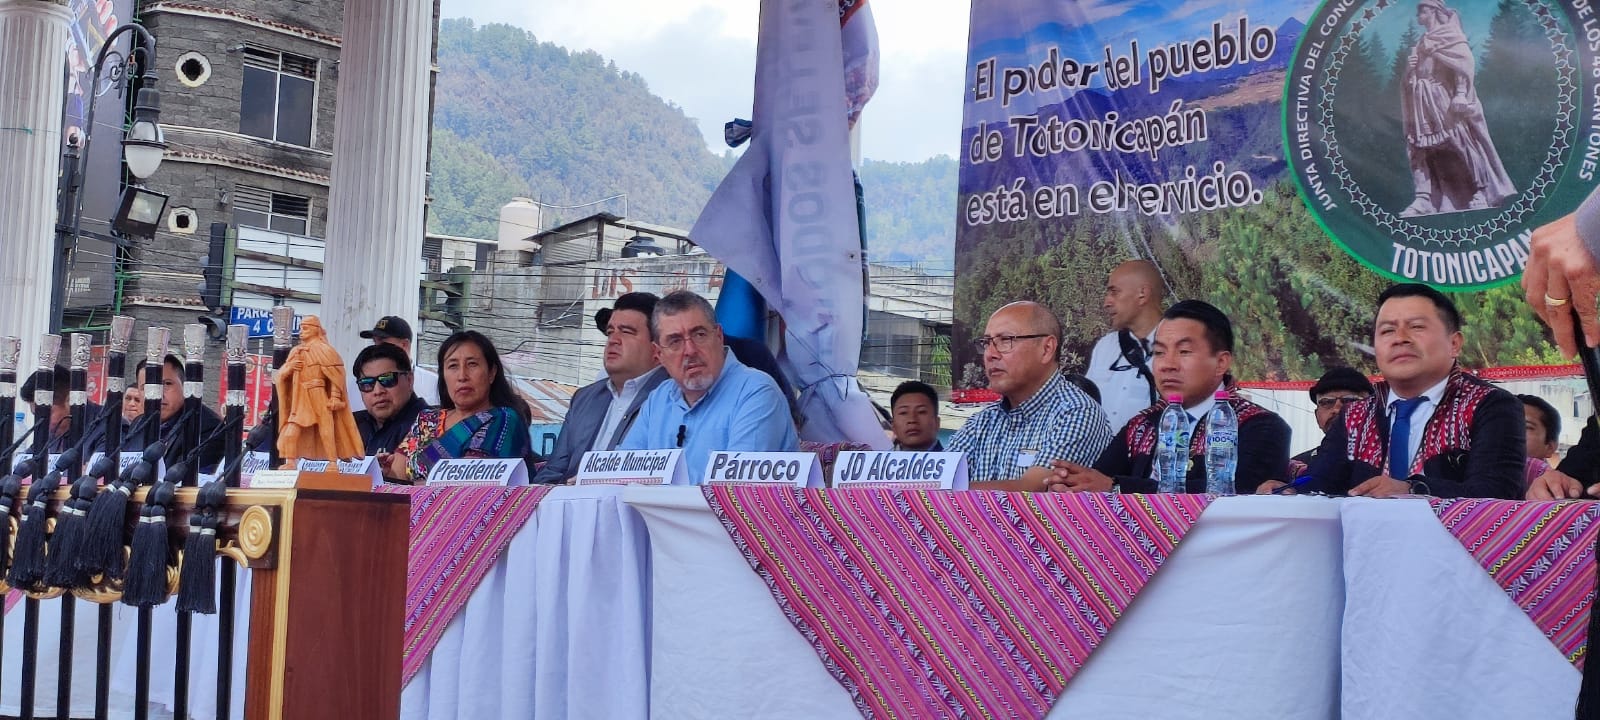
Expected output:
{"points": [[632, 467], [478, 471], [930, 470], [799, 469]]}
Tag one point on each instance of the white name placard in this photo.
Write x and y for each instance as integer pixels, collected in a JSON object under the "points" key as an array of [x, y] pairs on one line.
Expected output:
{"points": [[478, 471], [356, 466], [797, 469], [632, 467], [21, 456], [126, 462], [910, 470], [253, 463], [275, 479]]}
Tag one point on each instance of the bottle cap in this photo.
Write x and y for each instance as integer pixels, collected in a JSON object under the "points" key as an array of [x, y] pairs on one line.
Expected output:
{"points": [[1174, 398], [1221, 395]]}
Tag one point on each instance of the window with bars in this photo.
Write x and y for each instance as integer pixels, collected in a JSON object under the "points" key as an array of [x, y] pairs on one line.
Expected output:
{"points": [[279, 98], [280, 212]]}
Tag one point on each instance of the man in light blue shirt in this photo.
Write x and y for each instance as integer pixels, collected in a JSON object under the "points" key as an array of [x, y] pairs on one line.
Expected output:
{"points": [[714, 402]]}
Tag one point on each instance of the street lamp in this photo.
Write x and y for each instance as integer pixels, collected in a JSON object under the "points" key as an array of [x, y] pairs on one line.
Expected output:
{"points": [[143, 146]]}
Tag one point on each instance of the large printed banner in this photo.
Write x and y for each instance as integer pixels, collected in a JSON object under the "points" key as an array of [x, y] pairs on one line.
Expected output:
{"points": [[1282, 160]]}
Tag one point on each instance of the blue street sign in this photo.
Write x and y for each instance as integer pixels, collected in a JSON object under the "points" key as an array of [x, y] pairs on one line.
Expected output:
{"points": [[259, 320]]}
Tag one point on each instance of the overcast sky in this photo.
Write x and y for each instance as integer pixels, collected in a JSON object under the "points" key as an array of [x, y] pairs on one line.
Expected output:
{"points": [[701, 54]]}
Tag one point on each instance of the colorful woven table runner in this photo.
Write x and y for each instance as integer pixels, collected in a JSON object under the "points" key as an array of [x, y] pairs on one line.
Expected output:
{"points": [[457, 535], [1540, 553], [950, 604]]}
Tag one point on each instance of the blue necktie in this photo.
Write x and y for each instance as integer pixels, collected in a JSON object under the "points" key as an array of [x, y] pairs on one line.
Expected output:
{"points": [[1400, 437]]}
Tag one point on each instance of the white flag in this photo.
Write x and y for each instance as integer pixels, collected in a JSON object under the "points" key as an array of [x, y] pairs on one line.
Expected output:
{"points": [[785, 217]]}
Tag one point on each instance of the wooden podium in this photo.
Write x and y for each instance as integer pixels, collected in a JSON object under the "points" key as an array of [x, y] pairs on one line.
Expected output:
{"points": [[327, 611]]}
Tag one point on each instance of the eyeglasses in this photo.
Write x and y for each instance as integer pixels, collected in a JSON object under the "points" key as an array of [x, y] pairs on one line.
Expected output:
{"points": [[1337, 400], [700, 336], [1002, 343], [388, 380]]}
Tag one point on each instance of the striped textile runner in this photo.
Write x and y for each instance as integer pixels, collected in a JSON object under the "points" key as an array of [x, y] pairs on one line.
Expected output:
{"points": [[1540, 553], [951, 604], [457, 535]]}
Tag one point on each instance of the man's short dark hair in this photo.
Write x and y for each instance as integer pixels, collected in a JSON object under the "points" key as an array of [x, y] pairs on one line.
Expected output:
{"points": [[1547, 413], [1447, 310], [60, 381], [915, 387], [1219, 330], [380, 351]]}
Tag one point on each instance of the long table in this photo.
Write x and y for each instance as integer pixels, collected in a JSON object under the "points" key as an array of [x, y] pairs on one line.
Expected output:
{"points": [[633, 603]]}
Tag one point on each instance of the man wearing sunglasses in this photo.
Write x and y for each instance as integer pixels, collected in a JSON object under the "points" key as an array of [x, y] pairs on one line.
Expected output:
{"points": [[383, 377], [1336, 388]]}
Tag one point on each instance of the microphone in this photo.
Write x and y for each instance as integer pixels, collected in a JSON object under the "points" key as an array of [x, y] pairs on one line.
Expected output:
{"points": [[682, 430]]}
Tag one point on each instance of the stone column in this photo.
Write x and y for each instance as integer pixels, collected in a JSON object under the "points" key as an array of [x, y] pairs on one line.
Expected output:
{"points": [[33, 55], [380, 153]]}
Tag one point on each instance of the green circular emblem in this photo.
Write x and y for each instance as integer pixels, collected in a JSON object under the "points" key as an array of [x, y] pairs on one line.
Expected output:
{"points": [[1431, 137]]}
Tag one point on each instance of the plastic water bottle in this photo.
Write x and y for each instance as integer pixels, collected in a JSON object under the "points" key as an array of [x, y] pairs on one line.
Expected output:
{"points": [[1171, 449], [1222, 446]]}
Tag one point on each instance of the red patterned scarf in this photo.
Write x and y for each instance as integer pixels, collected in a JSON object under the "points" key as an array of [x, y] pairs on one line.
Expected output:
{"points": [[1540, 553], [457, 535], [1450, 428], [1146, 427], [941, 604]]}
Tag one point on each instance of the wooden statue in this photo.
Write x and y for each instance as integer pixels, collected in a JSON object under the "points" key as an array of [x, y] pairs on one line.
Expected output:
{"points": [[314, 419]]}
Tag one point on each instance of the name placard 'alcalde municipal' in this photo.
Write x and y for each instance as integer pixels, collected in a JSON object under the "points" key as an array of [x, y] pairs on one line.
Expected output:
{"points": [[632, 467]]}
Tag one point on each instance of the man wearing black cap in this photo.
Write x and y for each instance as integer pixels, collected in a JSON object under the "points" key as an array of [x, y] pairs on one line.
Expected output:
{"points": [[600, 414], [397, 332], [1337, 388]]}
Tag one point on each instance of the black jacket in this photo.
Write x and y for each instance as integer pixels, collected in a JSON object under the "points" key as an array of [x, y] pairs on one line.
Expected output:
{"points": [[387, 436], [1472, 446], [1263, 451]]}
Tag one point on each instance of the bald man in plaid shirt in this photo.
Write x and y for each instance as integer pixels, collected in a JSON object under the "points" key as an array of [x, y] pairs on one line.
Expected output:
{"points": [[1040, 418]]}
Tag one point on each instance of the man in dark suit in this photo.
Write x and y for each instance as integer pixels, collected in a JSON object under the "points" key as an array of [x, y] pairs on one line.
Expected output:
{"points": [[601, 413], [1429, 427], [1193, 351]]}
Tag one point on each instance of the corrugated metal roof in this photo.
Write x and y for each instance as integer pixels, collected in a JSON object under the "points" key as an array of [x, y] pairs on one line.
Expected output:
{"points": [[546, 398]]}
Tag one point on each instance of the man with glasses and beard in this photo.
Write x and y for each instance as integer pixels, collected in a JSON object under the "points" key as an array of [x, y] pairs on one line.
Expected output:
{"points": [[1040, 418], [383, 377], [714, 402], [1119, 363]]}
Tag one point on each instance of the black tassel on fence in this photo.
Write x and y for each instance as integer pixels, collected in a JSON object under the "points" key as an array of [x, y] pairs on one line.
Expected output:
{"points": [[28, 555], [10, 491], [197, 584], [146, 583], [108, 517], [72, 528]]}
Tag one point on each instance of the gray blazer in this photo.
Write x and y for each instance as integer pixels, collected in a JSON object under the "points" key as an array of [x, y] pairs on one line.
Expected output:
{"points": [[585, 415]]}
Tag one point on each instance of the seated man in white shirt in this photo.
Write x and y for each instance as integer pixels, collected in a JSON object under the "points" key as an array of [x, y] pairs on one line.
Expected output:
{"points": [[600, 414]]}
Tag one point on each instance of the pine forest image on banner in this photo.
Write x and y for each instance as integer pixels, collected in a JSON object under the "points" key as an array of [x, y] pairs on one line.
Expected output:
{"points": [[1285, 161]]}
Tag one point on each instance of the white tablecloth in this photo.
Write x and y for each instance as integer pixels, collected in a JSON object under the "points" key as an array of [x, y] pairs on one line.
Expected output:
{"points": [[559, 628], [1241, 622], [1428, 634]]}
